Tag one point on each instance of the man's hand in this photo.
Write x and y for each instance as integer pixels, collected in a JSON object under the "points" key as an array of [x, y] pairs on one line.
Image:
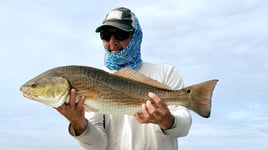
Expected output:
{"points": [[155, 111], [74, 112]]}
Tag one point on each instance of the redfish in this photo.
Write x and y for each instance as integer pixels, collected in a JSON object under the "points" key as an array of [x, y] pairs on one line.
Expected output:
{"points": [[120, 93]]}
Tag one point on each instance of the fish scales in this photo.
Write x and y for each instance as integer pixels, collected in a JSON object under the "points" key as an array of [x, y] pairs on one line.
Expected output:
{"points": [[125, 93], [100, 81]]}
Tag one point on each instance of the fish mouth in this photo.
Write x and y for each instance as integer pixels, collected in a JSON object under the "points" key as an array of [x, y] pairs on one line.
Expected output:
{"points": [[32, 97]]}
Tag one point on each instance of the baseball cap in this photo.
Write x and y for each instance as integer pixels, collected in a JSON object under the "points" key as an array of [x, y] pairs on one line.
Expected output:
{"points": [[121, 18]]}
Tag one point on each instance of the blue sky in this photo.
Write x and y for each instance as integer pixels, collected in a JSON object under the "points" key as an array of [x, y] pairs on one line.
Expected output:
{"points": [[204, 39]]}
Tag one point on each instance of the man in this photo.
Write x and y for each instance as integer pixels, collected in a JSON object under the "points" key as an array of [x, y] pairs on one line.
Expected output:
{"points": [[157, 126]]}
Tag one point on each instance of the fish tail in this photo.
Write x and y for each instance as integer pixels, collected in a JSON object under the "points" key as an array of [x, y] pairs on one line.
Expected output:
{"points": [[201, 97]]}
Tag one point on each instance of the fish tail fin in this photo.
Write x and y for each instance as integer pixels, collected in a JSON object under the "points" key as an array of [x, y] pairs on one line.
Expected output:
{"points": [[201, 97]]}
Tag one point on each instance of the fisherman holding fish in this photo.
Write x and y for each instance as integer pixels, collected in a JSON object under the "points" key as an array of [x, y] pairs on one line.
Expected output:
{"points": [[157, 126], [129, 104]]}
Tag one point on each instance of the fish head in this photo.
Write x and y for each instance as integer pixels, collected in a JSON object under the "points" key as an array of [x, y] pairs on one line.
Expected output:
{"points": [[49, 90]]}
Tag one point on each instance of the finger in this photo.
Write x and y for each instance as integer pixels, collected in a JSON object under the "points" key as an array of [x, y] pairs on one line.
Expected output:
{"points": [[81, 101], [144, 111], [72, 97], [140, 117], [151, 113], [158, 101], [151, 109], [162, 110]]}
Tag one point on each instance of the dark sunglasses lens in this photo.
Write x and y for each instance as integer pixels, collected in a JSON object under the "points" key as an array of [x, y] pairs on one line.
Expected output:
{"points": [[119, 35], [105, 35]]}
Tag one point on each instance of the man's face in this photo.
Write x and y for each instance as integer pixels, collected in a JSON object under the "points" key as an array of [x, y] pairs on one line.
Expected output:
{"points": [[115, 39]]}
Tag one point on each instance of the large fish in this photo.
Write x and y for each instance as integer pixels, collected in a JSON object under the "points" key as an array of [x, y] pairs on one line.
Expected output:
{"points": [[120, 93]]}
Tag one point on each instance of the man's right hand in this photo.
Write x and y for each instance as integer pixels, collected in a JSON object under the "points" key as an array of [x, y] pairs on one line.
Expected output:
{"points": [[74, 112]]}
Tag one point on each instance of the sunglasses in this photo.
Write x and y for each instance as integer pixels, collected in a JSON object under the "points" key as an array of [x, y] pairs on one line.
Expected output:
{"points": [[119, 35]]}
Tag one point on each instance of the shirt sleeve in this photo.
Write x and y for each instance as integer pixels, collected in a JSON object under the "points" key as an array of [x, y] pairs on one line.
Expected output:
{"points": [[94, 137], [182, 122]]}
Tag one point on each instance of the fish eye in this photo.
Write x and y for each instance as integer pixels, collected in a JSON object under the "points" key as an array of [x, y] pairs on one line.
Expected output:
{"points": [[33, 85]]}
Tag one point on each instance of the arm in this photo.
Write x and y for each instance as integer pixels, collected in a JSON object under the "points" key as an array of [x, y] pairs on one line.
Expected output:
{"points": [[90, 132], [94, 137]]}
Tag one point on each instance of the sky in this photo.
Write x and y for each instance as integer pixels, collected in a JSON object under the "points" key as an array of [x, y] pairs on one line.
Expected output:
{"points": [[204, 39]]}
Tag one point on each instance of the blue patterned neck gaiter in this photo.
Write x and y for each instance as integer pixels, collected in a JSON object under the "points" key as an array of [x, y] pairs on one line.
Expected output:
{"points": [[129, 56]]}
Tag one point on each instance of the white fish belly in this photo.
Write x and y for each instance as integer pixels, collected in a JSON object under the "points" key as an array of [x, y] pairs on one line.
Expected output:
{"points": [[113, 108]]}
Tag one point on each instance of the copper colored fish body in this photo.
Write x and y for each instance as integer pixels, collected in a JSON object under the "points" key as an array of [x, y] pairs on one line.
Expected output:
{"points": [[119, 93]]}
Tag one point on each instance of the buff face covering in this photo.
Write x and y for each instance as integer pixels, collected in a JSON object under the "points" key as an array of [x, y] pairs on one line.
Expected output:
{"points": [[129, 56]]}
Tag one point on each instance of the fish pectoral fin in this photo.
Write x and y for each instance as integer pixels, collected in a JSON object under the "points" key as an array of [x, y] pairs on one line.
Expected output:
{"points": [[87, 93], [131, 74]]}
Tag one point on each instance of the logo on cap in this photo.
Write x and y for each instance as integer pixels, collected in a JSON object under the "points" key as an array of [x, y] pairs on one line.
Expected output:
{"points": [[114, 15]]}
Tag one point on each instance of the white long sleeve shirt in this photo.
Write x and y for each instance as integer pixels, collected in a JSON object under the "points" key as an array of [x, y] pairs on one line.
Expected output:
{"points": [[124, 132]]}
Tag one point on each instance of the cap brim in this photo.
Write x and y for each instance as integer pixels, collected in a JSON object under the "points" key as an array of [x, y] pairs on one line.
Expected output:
{"points": [[121, 26]]}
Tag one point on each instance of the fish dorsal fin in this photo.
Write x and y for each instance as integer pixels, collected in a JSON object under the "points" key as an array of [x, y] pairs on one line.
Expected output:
{"points": [[139, 77]]}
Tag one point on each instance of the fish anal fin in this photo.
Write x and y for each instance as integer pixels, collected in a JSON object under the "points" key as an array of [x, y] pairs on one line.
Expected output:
{"points": [[131, 74]]}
